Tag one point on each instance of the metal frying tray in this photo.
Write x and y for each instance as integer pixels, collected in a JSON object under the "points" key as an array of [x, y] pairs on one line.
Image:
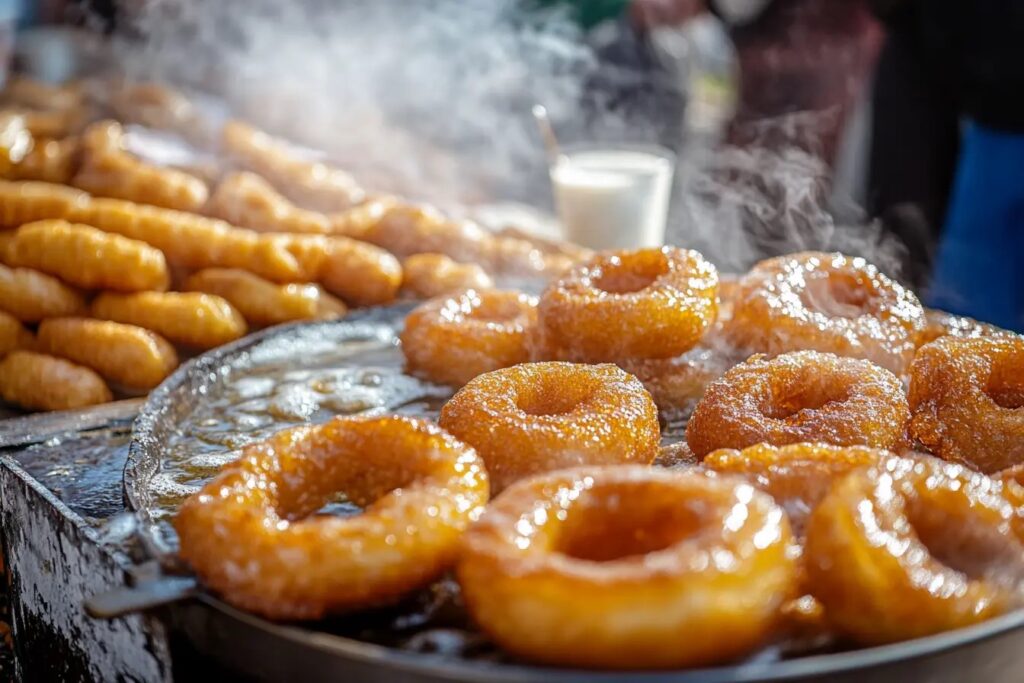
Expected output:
{"points": [[991, 651]]}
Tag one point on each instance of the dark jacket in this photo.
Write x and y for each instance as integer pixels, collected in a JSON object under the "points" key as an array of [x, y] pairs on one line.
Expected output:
{"points": [[975, 46]]}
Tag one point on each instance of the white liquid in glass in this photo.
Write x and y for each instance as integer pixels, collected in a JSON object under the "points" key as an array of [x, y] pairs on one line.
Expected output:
{"points": [[613, 199]]}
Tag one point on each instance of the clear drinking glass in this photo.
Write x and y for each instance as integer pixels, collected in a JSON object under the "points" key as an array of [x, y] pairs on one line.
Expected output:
{"points": [[613, 196]]}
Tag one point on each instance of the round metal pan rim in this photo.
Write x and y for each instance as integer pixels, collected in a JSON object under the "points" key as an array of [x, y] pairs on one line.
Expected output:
{"points": [[455, 669]]}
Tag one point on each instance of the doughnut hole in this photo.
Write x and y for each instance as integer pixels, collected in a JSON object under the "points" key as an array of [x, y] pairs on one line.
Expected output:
{"points": [[811, 391], [1006, 382], [838, 294], [551, 395], [630, 272], [605, 524]]}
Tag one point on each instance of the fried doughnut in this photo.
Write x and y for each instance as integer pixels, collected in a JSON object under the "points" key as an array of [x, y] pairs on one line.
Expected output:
{"points": [[248, 200], [86, 257], [677, 384], [30, 296], [826, 302], [190, 318], [40, 382], [804, 396], [310, 184], [451, 340], [537, 417], [913, 547], [942, 324], [728, 290], [193, 242], [123, 354], [966, 397], [425, 276], [26, 202], [13, 335], [250, 536], [647, 303], [798, 475], [262, 302], [618, 568], [797, 397], [109, 170]]}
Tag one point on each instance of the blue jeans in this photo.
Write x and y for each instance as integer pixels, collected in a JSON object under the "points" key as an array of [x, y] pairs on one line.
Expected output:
{"points": [[979, 270]]}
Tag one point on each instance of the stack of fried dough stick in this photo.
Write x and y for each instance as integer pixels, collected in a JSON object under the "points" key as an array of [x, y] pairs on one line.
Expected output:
{"points": [[113, 265]]}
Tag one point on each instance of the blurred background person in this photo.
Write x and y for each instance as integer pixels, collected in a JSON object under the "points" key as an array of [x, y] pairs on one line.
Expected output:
{"points": [[914, 134], [950, 86], [978, 270], [799, 56]]}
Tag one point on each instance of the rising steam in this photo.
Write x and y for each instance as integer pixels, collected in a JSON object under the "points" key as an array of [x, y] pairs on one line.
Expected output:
{"points": [[432, 100]]}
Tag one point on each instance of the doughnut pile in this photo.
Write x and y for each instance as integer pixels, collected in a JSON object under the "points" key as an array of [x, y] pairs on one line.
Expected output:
{"points": [[685, 466], [816, 500], [650, 311]]}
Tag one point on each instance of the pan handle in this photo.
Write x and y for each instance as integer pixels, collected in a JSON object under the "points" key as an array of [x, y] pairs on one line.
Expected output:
{"points": [[145, 595]]}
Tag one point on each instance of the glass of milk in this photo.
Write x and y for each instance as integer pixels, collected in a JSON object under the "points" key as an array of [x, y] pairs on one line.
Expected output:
{"points": [[613, 197]]}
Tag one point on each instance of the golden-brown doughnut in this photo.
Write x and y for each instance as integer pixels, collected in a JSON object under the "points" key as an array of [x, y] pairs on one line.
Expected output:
{"points": [[628, 567], [536, 417], [797, 475], [451, 340], [826, 302], [912, 547], [967, 396], [804, 396], [648, 303], [250, 534]]}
